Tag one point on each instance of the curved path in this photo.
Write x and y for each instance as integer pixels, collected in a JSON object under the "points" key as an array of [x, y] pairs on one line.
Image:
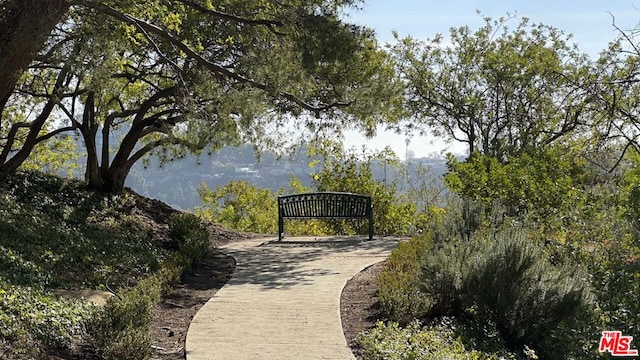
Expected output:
{"points": [[283, 301]]}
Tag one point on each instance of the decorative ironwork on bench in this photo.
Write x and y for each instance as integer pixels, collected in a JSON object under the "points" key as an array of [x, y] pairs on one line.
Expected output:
{"points": [[324, 205]]}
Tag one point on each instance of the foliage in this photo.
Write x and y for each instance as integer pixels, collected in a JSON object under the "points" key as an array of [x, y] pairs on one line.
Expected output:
{"points": [[422, 186], [349, 171], [241, 206], [57, 156], [541, 185], [192, 237], [57, 234], [614, 92], [29, 316], [500, 90], [121, 329], [630, 192], [390, 342], [177, 78], [245, 207], [400, 295], [505, 279], [615, 268]]}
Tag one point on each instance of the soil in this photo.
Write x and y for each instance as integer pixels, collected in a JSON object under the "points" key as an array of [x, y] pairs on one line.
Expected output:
{"points": [[359, 308], [172, 317]]}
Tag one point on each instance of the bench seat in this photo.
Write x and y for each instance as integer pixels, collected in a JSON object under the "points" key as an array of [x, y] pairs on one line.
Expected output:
{"points": [[324, 205]]}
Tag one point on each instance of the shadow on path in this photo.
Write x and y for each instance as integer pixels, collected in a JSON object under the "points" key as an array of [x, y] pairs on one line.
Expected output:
{"points": [[295, 261], [283, 301]]}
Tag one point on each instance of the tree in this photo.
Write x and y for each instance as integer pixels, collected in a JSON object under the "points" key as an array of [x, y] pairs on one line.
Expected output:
{"points": [[24, 28], [540, 186], [183, 75], [352, 171], [615, 93], [502, 92], [22, 131]]}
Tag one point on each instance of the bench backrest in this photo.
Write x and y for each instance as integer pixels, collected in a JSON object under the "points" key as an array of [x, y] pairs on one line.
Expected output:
{"points": [[324, 205]]}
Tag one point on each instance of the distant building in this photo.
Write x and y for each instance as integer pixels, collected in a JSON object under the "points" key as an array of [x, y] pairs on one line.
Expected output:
{"points": [[247, 173]]}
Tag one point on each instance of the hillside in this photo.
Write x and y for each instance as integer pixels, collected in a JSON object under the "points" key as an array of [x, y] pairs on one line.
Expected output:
{"points": [[56, 235], [177, 182]]}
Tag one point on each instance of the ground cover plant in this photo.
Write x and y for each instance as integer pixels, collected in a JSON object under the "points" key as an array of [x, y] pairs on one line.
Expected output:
{"points": [[56, 235]]}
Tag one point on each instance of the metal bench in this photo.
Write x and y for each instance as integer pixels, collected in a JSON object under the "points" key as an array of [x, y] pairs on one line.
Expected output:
{"points": [[324, 205]]}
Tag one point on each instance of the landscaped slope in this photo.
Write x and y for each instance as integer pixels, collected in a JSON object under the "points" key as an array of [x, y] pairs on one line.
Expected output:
{"points": [[56, 235]]}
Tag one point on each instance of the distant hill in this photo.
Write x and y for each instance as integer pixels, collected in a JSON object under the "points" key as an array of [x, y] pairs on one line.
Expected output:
{"points": [[176, 182]]}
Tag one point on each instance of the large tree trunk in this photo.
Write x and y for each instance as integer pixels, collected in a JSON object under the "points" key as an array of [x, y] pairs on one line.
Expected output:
{"points": [[113, 180], [24, 27], [109, 177]]}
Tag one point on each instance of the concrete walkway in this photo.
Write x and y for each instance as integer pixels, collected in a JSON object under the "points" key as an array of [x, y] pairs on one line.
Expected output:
{"points": [[283, 301]]}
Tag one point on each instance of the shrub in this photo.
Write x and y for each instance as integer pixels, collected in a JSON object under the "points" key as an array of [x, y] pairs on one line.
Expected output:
{"points": [[505, 279], [615, 267], [399, 294], [241, 206], [391, 342], [192, 237], [514, 285], [121, 329], [353, 172]]}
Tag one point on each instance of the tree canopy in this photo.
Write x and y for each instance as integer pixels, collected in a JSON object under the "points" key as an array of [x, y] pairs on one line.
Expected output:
{"points": [[191, 75], [501, 91]]}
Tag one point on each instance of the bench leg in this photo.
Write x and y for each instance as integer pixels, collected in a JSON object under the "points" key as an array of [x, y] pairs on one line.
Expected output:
{"points": [[280, 228], [371, 228]]}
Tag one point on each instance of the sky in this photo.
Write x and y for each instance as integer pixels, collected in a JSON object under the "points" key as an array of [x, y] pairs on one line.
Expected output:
{"points": [[589, 21]]}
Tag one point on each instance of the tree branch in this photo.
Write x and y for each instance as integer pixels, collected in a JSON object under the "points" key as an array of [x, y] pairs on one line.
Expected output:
{"points": [[11, 138], [624, 34], [145, 150], [146, 27], [54, 133], [270, 24]]}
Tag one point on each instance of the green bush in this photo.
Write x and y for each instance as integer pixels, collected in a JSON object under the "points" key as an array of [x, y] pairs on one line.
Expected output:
{"points": [[241, 206], [391, 342], [245, 207], [400, 296], [192, 237], [505, 279], [353, 172], [121, 329], [615, 269], [540, 184]]}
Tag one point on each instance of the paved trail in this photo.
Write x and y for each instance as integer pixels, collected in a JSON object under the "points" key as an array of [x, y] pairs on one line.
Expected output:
{"points": [[283, 301]]}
